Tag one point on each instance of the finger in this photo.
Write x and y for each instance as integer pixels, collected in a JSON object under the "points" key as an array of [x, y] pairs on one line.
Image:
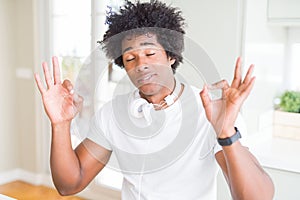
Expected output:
{"points": [[47, 74], [246, 88], [56, 70], [237, 74], [206, 101], [249, 74], [78, 102], [39, 83], [223, 84], [68, 85]]}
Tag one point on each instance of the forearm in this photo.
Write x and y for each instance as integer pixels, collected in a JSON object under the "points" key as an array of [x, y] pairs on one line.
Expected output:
{"points": [[246, 177], [64, 163]]}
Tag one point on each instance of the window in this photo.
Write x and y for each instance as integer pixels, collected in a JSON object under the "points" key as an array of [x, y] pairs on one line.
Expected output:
{"points": [[75, 28], [71, 34]]}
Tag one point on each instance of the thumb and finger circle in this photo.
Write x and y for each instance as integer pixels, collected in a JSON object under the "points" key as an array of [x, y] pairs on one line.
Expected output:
{"points": [[77, 99]]}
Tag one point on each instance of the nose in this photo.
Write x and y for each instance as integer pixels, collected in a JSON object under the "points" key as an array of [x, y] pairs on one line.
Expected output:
{"points": [[141, 68], [141, 65]]}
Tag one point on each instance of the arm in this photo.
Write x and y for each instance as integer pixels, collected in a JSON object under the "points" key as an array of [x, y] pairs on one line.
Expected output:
{"points": [[246, 178], [244, 175], [72, 170]]}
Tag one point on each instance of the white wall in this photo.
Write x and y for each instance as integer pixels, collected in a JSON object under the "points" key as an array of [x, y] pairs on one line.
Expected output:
{"points": [[25, 84], [217, 27], [17, 103], [9, 142]]}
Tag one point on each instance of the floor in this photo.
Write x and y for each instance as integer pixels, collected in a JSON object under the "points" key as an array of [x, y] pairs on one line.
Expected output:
{"points": [[24, 191]]}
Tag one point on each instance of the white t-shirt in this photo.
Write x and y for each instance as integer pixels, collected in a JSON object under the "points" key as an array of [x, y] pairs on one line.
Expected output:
{"points": [[173, 158]]}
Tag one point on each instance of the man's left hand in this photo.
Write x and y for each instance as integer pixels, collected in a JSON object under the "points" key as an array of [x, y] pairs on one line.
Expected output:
{"points": [[223, 112]]}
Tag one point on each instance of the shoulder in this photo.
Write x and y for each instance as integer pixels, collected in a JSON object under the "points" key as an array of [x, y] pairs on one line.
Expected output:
{"points": [[192, 94], [118, 103]]}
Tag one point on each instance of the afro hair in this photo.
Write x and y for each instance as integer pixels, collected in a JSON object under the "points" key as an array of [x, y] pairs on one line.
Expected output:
{"points": [[153, 17]]}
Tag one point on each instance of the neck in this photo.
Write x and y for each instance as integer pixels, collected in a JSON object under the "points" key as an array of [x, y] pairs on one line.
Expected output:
{"points": [[161, 95], [156, 99], [165, 98]]}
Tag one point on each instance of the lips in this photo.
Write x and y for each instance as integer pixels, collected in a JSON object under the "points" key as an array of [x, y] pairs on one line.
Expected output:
{"points": [[145, 79]]}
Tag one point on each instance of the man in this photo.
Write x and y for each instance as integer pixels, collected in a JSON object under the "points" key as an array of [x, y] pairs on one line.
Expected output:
{"points": [[176, 159]]}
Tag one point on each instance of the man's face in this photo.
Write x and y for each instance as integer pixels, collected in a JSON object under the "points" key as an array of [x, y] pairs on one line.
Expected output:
{"points": [[147, 64]]}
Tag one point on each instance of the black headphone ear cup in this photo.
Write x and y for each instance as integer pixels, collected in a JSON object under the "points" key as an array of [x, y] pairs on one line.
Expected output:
{"points": [[137, 106]]}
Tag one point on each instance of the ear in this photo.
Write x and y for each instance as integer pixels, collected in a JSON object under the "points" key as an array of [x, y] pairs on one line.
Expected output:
{"points": [[172, 60]]}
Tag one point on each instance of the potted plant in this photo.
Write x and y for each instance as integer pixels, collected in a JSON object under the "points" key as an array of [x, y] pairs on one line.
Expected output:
{"points": [[286, 121]]}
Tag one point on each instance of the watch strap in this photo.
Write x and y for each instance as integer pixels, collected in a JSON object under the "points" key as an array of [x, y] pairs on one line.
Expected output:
{"points": [[230, 140]]}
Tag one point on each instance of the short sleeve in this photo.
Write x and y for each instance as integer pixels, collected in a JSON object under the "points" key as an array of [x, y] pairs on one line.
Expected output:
{"points": [[97, 131]]}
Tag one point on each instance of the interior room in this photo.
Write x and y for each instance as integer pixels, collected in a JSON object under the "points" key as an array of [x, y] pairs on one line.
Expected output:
{"points": [[265, 33]]}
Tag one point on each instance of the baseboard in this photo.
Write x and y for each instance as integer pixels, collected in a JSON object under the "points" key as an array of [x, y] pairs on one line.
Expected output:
{"points": [[26, 176]]}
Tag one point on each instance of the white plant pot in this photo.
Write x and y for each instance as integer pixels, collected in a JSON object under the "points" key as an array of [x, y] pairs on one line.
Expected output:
{"points": [[286, 125]]}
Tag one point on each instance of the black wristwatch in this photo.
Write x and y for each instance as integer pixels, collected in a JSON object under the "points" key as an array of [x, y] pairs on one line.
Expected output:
{"points": [[230, 140]]}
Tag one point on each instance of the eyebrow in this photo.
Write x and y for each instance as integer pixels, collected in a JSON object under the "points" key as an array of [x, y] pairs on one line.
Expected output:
{"points": [[141, 44]]}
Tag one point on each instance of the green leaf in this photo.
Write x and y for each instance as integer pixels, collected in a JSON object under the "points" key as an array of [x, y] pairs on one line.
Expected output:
{"points": [[290, 101]]}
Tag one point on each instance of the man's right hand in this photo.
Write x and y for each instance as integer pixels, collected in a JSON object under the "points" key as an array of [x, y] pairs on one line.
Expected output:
{"points": [[58, 98]]}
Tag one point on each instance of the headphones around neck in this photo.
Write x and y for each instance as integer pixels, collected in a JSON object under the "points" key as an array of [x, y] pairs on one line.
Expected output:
{"points": [[140, 107]]}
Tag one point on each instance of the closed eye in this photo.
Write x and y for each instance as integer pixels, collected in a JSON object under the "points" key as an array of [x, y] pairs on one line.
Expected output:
{"points": [[150, 54], [129, 59]]}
